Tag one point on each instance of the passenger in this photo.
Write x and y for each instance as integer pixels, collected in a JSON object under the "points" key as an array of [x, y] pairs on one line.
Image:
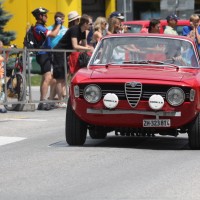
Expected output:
{"points": [[99, 26], [193, 31], [42, 34], [171, 24], [180, 53], [154, 26]]}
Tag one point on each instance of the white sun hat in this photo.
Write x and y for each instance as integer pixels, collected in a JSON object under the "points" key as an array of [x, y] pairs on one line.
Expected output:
{"points": [[73, 15]]}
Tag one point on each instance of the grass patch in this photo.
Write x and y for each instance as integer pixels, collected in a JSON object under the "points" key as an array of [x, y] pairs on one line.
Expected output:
{"points": [[36, 80]]}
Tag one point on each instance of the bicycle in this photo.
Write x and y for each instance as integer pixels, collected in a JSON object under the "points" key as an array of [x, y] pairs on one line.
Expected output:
{"points": [[15, 87]]}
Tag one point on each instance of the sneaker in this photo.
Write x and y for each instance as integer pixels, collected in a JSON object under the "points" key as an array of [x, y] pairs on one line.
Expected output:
{"points": [[53, 105], [47, 106], [3, 110], [40, 106], [61, 105], [44, 106]]}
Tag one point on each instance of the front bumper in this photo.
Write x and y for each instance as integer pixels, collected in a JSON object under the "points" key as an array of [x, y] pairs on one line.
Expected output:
{"points": [[151, 113]]}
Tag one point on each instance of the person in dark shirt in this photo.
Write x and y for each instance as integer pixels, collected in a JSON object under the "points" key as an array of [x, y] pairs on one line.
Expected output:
{"points": [[74, 39]]}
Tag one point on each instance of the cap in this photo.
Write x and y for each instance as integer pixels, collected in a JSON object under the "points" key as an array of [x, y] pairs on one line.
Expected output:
{"points": [[39, 11], [172, 16], [117, 15], [73, 15]]}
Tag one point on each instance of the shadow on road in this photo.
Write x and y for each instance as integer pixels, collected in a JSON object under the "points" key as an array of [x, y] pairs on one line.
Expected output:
{"points": [[152, 143]]}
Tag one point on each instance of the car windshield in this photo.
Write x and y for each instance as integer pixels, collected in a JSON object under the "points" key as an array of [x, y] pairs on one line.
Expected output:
{"points": [[145, 50]]}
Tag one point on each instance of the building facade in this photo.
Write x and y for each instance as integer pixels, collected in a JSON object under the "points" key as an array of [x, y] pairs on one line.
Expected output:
{"points": [[147, 9]]}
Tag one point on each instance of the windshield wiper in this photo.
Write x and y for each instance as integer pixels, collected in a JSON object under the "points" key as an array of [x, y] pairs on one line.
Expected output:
{"points": [[143, 62], [151, 62]]}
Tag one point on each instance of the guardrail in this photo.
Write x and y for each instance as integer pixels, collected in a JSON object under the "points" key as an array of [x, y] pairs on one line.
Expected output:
{"points": [[26, 57]]}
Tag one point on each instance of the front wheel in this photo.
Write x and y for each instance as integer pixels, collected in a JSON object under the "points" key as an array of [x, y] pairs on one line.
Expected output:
{"points": [[194, 133], [75, 128], [16, 91]]}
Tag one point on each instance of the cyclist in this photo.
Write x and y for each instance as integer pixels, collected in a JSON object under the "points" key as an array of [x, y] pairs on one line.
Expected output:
{"points": [[42, 35]]}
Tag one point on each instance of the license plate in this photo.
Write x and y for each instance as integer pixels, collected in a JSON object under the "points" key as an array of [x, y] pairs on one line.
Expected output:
{"points": [[156, 123]]}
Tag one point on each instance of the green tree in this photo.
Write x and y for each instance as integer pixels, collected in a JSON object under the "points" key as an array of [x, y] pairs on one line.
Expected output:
{"points": [[5, 36]]}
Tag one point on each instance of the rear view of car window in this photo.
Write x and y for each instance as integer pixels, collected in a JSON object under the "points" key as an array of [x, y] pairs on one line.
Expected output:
{"points": [[134, 28], [179, 29]]}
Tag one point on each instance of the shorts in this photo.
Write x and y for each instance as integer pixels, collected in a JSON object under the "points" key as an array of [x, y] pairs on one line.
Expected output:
{"points": [[58, 65], [45, 61]]}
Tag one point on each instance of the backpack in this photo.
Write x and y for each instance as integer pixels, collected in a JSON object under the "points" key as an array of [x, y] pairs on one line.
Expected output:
{"points": [[30, 41], [77, 60], [84, 58]]}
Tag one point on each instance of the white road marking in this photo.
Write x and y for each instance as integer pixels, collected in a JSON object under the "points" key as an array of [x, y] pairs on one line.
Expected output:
{"points": [[15, 119], [8, 140]]}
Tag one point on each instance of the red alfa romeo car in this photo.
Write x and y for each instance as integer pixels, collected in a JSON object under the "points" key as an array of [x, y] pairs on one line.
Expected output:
{"points": [[137, 85]]}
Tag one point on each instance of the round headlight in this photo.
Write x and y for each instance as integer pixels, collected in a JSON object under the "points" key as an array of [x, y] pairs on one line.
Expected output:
{"points": [[175, 96], [92, 93]]}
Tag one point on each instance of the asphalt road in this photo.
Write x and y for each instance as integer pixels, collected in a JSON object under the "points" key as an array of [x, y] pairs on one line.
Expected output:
{"points": [[37, 163]]}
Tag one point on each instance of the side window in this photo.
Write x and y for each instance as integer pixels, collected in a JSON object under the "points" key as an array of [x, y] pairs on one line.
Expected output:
{"points": [[134, 28], [179, 29]]}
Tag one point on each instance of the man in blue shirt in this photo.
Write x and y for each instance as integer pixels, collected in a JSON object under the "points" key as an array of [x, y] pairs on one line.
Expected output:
{"points": [[193, 31], [54, 40], [60, 83]]}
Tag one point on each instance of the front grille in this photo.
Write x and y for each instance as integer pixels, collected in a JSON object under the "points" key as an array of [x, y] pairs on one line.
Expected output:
{"points": [[133, 92]]}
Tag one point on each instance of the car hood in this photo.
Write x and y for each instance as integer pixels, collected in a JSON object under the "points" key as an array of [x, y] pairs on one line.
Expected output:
{"points": [[145, 73]]}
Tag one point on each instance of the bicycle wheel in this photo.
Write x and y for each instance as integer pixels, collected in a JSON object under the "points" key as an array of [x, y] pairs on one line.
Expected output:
{"points": [[16, 91]]}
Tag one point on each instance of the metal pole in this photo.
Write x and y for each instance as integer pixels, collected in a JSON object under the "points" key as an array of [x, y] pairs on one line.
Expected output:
{"points": [[27, 59], [176, 6], [124, 10]]}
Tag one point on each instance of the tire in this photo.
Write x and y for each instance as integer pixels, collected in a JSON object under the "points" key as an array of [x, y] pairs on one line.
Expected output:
{"points": [[16, 91], [97, 133], [75, 128], [194, 133]]}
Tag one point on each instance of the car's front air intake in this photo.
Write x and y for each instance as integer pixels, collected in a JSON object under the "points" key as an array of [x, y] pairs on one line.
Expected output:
{"points": [[133, 91]]}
